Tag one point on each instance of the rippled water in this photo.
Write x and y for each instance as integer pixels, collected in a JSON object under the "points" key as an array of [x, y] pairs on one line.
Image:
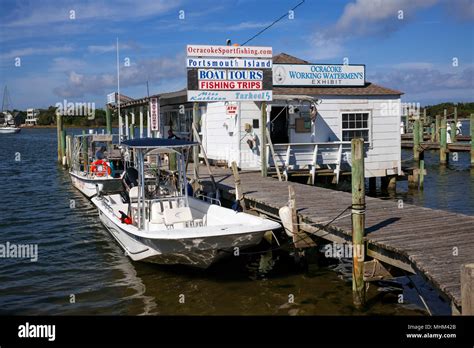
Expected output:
{"points": [[78, 257]]}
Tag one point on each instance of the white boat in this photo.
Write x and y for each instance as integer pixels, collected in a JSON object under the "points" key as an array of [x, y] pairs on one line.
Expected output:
{"points": [[8, 126], [7, 129], [156, 221], [91, 175]]}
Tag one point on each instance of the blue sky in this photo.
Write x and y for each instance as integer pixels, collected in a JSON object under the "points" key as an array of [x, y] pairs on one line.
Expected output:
{"points": [[74, 59]]}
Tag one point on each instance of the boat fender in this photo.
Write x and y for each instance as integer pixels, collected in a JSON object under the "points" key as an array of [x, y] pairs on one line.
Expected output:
{"points": [[124, 218]]}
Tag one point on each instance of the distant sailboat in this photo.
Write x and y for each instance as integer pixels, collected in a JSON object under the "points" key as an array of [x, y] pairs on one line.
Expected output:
{"points": [[8, 125]]}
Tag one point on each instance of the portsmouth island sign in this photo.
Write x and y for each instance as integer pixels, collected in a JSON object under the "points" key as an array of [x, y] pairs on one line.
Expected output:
{"points": [[229, 73], [324, 75]]}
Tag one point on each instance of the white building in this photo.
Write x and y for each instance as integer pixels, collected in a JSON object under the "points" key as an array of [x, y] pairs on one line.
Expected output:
{"points": [[303, 142], [31, 117]]}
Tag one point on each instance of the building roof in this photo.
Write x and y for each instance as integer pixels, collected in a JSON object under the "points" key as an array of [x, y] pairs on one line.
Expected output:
{"points": [[368, 89]]}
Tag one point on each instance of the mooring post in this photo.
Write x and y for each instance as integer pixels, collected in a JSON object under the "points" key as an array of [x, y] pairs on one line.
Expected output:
{"points": [[195, 148], [59, 128], [68, 150], [85, 151], [433, 132], [437, 125], [358, 221], [263, 151], [416, 139], [63, 146], [472, 139], [467, 289], [455, 123], [422, 169], [108, 119], [443, 142], [239, 195]]}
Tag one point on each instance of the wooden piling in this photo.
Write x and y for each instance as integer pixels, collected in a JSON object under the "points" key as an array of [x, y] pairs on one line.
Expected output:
{"points": [[85, 151], [59, 129], [443, 142], [424, 116], [433, 132], [421, 167], [108, 119], [453, 137], [358, 221], [437, 125], [63, 146], [416, 139], [472, 139], [69, 150], [467, 289], [263, 147], [239, 195]]}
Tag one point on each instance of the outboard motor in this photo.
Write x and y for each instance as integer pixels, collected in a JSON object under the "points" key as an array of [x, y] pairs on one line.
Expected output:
{"points": [[129, 180]]}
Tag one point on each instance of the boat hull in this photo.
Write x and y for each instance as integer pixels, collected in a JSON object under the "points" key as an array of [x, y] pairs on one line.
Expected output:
{"points": [[88, 186], [9, 130], [199, 251]]}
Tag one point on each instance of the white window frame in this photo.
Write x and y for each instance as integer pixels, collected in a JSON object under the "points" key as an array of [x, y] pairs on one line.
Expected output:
{"points": [[369, 123]]}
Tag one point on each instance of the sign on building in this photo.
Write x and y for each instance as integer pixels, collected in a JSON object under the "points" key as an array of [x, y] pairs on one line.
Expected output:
{"points": [[328, 75], [231, 109], [238, 74], [111, 98], [154, 114]]}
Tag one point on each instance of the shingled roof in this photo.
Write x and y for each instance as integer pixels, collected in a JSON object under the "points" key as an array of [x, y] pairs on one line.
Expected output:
{"points": [[368, 89]]}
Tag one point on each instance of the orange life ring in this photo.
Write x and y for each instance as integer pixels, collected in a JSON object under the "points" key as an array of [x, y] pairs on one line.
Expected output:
{"points": [[100, 168]]}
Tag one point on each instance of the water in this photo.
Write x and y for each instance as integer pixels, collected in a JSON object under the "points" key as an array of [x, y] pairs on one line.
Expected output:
{"points": [[81, 270]]}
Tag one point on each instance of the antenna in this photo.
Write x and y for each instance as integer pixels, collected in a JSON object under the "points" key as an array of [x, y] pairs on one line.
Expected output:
{"points": [[118, 79]]}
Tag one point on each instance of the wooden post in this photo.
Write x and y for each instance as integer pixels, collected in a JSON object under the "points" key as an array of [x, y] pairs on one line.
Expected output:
{"points": [[239, 195], [108, 119], [63, 145], [263, 148], [467, 289], [85, 151], [132, 131], [358, 221], [416, 139], [433, 132], [195, 148], [437, 130], [69, 150], [422, 169], [443, 142], [472, 139], [424, 116], [453, 137], [59, 129]]}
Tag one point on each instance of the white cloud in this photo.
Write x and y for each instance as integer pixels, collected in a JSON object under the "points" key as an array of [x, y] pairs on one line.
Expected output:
{"points": [[158, 71], [49, 12], [30, 51], [61, 64], [110, 48]]}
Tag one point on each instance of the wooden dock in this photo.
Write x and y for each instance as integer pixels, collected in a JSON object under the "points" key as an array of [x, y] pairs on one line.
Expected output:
{"points": [[416, 240]]}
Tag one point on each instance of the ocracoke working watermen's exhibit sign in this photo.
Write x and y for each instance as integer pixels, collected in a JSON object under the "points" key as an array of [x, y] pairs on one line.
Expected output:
{"points": [[318, 75], [239, 74]]}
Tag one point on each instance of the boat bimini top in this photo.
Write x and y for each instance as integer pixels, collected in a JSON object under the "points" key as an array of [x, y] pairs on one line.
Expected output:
{"points": [[150, 146]]}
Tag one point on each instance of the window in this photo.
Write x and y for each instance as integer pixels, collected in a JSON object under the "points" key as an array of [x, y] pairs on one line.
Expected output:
{"points": [[355, 125]]}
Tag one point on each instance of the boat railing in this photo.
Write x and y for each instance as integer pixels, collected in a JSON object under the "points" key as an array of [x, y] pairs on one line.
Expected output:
{"points": [[208, 199]]}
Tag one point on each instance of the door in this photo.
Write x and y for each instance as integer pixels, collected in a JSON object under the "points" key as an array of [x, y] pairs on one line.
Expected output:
{"points": [[279, 125]]}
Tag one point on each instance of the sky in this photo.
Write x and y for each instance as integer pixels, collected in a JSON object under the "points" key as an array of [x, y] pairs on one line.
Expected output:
{"points": [[56, 50]]}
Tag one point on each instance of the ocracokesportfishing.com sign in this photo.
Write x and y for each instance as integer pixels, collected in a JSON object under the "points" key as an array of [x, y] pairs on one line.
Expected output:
{"points": [[238, 74]]}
